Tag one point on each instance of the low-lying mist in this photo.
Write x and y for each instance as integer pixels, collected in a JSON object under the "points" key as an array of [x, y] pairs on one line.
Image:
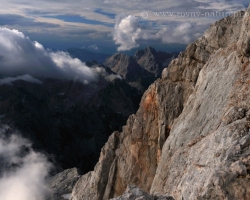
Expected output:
{"points": [[23, 171]]}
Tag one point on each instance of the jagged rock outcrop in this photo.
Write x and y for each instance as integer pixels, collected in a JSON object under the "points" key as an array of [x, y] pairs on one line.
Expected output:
{"points": [[190, 137], [139, 70], [130, 70], [61, 184]]}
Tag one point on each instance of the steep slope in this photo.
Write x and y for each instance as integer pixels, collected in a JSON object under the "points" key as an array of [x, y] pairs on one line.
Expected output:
{"points": [[190, 136], [207, 152]]}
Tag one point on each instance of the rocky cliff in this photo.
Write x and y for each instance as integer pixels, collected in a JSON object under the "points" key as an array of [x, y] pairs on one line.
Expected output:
{"points": [[190, 137]]}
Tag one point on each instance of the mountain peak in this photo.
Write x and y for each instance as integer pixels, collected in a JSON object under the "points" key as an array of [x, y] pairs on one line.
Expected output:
{"points": [[147, 51], [150, 49], [146, 64], [153, 61]]}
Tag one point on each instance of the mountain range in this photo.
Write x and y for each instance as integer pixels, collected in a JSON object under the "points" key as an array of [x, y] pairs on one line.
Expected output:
{"points": [[70, 121]]}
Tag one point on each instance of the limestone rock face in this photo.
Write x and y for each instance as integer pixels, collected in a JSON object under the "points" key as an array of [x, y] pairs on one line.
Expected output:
{"points": [[92, 185], [243, 44], [190, 137], [203, 156]]}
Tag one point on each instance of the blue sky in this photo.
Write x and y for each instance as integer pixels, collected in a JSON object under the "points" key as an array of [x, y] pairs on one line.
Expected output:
{"points": [[107, 25]]}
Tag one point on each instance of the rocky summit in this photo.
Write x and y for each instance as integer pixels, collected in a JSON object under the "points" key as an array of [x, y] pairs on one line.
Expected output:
{"points": [[141, 69], [190, 138], [153, 61]]}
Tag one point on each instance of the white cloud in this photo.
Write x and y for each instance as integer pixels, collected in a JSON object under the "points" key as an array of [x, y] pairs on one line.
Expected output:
{"points": [[23, 171], [102, 72], [73, 68], [183, 33], [20, 56], [127, 32], [183, 30], [26, 77], [221, 5]]}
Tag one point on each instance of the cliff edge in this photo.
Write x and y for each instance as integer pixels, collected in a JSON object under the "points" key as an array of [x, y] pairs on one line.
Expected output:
{"points": [[190, 137]]}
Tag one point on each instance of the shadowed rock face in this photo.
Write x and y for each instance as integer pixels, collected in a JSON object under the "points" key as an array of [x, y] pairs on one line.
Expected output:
{"points": [[68, 120], [190, 136]]}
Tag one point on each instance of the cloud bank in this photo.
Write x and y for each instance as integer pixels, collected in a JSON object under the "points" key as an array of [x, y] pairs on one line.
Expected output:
{"points": [[20, 56], [109, 77], [23, 171], [183, 33]]}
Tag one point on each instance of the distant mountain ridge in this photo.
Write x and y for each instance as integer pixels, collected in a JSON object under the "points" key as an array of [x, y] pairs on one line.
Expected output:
{"points": [[149, 59], [86, 56]]}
